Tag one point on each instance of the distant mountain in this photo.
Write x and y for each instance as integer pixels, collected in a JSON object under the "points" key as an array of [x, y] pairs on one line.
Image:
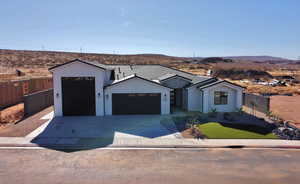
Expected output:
{"points": [[28, 58], [258, 58]]}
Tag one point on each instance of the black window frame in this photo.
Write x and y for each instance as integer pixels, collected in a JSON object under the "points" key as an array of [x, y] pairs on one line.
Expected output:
{"points": [[220, 98]]}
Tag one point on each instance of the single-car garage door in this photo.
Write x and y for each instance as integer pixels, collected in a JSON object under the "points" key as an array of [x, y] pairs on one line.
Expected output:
{"points": [[136, 103], [78, 96]]}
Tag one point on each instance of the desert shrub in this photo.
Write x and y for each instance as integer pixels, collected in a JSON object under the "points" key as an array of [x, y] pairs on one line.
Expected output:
{"points": [[193, 67], [229, 117], [216, 60], [238, 74], [213, 113]]}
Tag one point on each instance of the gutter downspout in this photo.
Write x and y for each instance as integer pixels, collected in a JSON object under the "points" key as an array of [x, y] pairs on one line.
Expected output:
{"points": [[202, 98], [104, 113]]}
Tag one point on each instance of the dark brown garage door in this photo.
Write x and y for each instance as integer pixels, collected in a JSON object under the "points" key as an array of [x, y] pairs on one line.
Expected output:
{"points": [[78, 96], [136, 103]]}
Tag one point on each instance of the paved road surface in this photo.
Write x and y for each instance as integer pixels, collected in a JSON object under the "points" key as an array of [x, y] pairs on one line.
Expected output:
{"points": [[150, 166]]}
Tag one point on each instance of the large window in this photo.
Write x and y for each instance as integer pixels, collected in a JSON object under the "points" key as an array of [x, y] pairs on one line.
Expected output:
{"points": [[221, 98]]}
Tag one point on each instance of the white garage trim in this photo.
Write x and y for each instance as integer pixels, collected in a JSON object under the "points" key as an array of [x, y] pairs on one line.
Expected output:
{"points": [[78, 69], [137, 84]]}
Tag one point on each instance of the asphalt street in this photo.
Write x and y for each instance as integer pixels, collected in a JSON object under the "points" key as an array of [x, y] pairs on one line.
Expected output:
{"points": [[36, 166]]}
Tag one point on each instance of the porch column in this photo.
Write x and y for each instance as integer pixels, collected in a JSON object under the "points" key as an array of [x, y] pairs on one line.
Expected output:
{"points": [[205, 101], [239, 99]]}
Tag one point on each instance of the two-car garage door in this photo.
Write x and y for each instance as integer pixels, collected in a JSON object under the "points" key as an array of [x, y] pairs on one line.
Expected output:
{"points": [[136, 103]]}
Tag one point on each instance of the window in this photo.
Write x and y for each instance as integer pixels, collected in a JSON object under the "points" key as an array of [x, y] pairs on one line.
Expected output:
{"points": [[221, 98]]}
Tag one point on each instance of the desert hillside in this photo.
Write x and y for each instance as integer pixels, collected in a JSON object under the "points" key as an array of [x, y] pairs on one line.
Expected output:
{"points": [[33, 59], [236, 69]]}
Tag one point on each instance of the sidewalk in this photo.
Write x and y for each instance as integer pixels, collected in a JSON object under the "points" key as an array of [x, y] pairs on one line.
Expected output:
{"points": [[129, 139], [77, 143]]}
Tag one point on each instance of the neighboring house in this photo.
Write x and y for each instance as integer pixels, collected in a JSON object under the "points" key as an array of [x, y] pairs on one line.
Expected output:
{"points": [[89, 88]]}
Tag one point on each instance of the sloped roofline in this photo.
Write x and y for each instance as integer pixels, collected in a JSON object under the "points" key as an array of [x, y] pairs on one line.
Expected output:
{"points": [[76, 60], [212, 79], [135, 76], [152, 65], [219, 82], [176, 75]]}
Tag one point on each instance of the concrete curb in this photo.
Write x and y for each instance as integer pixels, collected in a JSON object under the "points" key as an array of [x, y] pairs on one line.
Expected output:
{"points": [[85, 147]]}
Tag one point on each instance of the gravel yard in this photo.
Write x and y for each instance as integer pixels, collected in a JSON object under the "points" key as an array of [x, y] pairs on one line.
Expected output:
{"points": [[287, 108]]}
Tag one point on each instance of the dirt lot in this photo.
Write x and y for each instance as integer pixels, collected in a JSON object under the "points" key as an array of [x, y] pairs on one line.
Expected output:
{"points": [[210, 166], [25, 126], [11, 115], [286, 107]]}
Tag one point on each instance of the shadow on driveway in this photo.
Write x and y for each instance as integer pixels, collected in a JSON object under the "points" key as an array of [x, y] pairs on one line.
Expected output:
{"points": [[92, 132]]}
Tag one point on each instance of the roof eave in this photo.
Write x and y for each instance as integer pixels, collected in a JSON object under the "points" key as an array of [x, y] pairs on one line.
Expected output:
{"points": [[195, 84], [135, 76], [219, 82], [185, 78], [75, 60]]}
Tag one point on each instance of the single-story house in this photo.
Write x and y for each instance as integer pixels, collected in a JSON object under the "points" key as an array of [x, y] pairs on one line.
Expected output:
{"points": [[90, 88]]}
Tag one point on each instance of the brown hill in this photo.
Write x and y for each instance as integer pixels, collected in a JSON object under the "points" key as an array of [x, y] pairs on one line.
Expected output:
{"points": [[33, 59]]}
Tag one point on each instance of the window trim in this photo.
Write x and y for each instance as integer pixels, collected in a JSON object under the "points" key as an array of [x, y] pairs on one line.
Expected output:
{"points": [[221, 99]]}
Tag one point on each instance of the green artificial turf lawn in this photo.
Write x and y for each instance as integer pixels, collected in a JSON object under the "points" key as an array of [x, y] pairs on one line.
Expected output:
{"points": [[214, 130]]}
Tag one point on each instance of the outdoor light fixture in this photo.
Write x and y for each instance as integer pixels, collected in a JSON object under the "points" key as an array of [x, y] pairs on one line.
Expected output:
{"points": [[99, 94], [57, 95], [165, 97]]}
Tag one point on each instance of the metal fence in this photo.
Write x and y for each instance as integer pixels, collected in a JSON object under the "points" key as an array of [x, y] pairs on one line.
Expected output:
{"points": [[12, 92], [38, 101], [256, 102]]}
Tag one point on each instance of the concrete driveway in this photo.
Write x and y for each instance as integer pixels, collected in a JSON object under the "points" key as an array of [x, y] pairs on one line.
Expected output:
{"points": [[123, 126]]}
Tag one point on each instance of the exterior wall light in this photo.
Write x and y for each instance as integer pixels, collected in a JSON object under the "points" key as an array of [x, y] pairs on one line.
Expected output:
{"points": [[57, 95], [99, 94], [165, 97]]}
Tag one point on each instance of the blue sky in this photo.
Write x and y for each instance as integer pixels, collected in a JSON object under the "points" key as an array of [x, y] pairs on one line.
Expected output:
{"points": [[172, 27]]}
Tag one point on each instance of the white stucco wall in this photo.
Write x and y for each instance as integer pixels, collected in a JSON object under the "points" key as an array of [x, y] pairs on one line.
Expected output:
{"points": [[194, 99], [136, 85], [78, 69], [234, 98]]}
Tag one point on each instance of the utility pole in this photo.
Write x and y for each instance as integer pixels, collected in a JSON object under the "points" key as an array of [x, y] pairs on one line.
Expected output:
{"points": [[81, 52]]}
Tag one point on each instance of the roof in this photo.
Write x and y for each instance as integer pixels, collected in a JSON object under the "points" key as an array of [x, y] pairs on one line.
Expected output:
{"points": [[95, 64], [154, 72], [166, 76], [219, 82], [170, 75], [135, 76], [204, 82]]}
